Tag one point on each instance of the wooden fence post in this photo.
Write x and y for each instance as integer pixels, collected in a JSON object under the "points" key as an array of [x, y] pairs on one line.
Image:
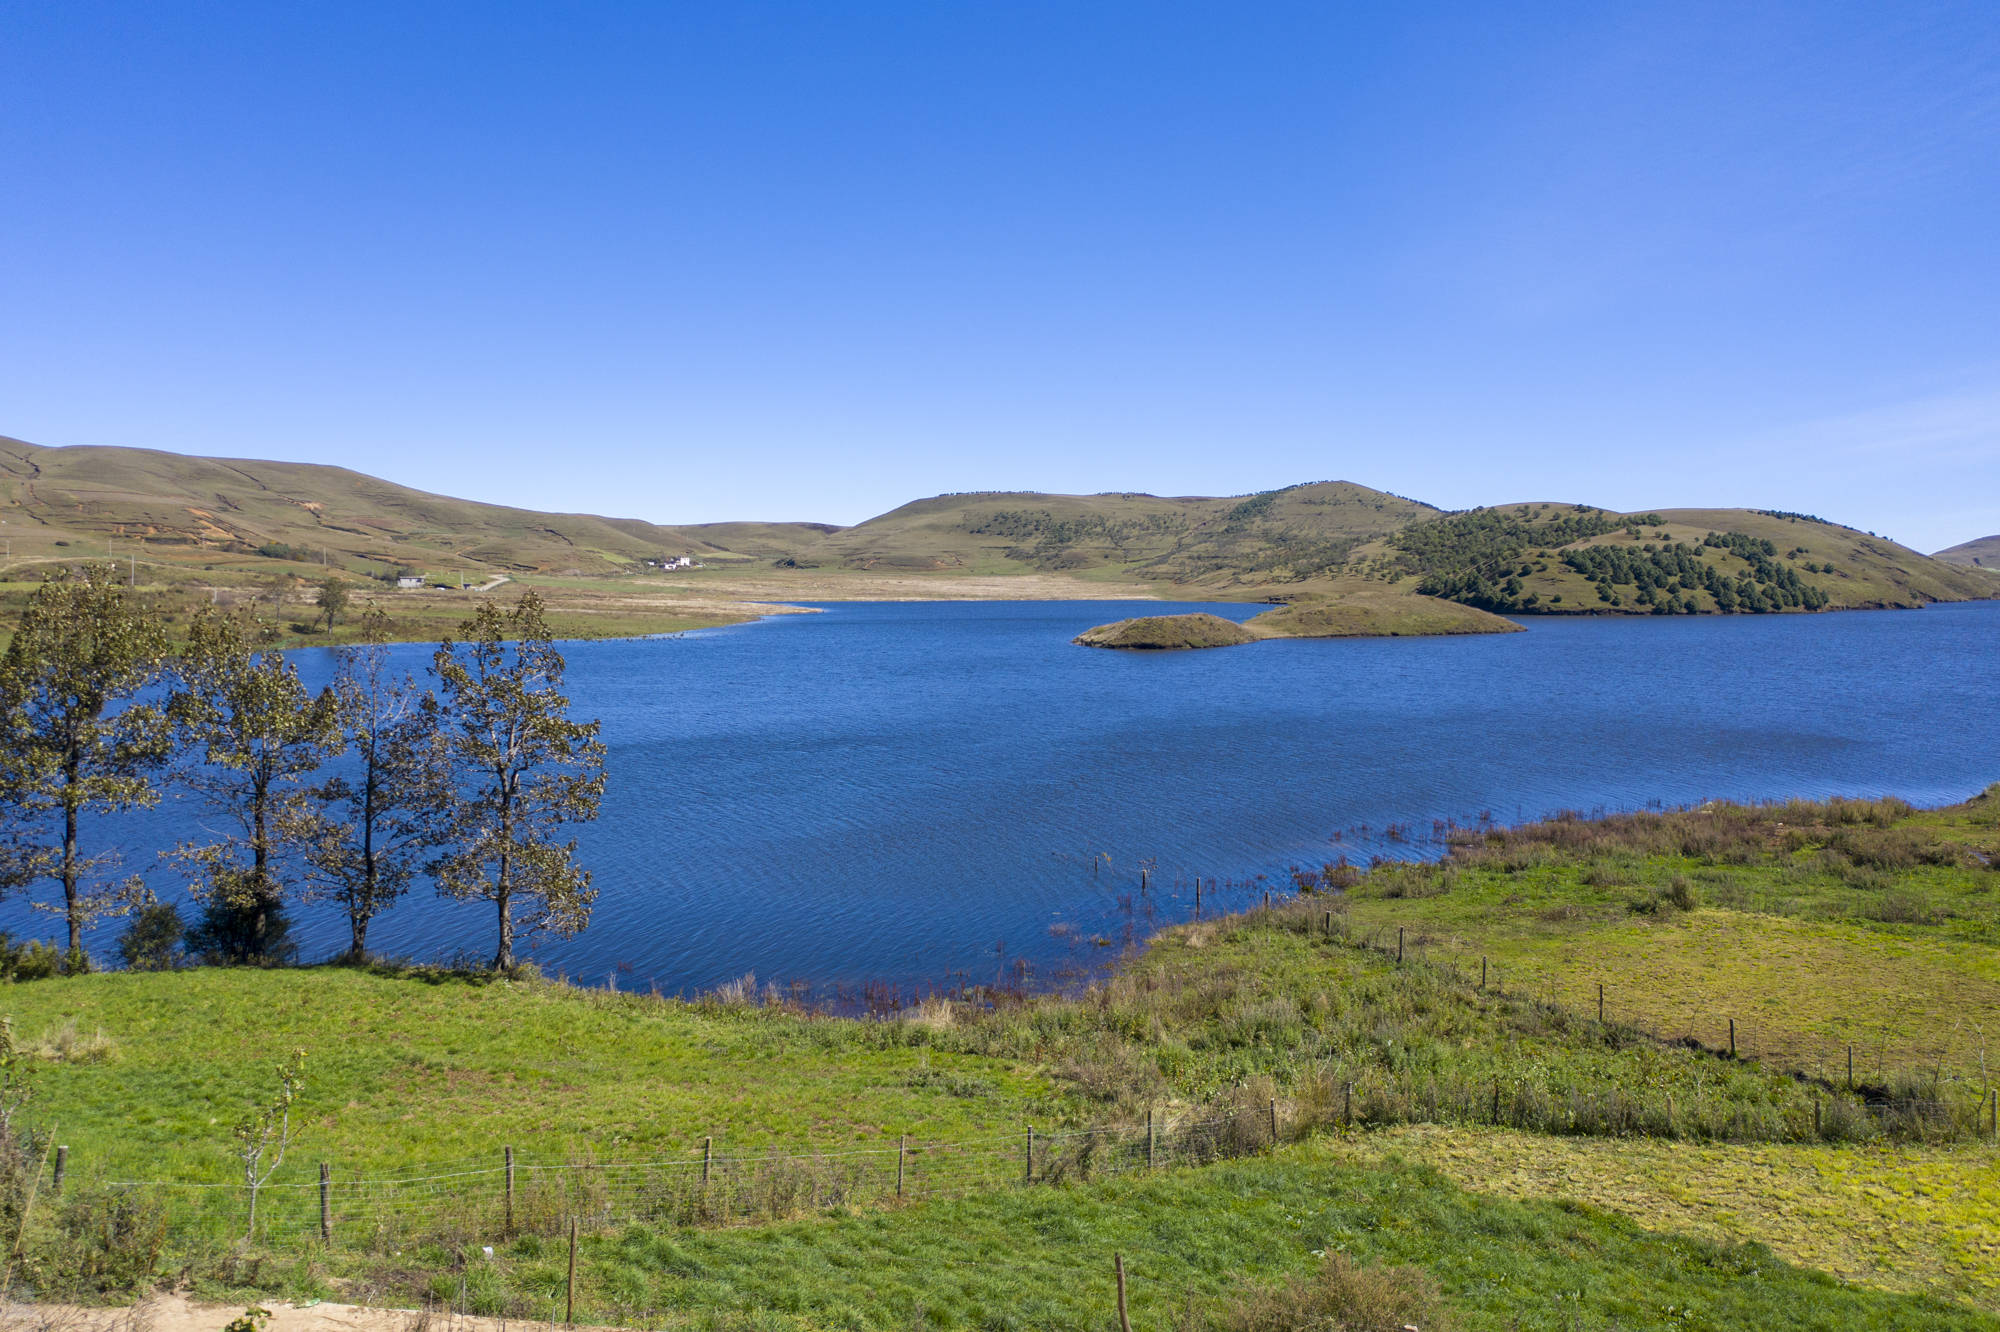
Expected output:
{"points": [[707, 1158], [902, 1154], [62, 1168], [1399, 945], [1274, 1123], [325, 1203], [1028, 1160], [1124, 1322], [1732, 1038], [510, 1190], [1197, 897], [569, 1287]]}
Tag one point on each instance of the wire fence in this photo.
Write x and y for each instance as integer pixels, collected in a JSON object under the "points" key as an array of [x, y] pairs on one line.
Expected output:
{"points": [[471, 1203], [1877, 1058], [510, 1195]]}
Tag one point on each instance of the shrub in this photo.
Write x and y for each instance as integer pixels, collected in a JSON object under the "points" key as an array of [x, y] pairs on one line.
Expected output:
{"points": [[1344, 1296], [229, 935], [29, 959], [152, 942]]}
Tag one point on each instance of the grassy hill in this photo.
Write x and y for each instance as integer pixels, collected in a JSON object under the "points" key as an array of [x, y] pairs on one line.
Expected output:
{"points": [[179, 509], [1569, 559], [1984, 553], [1353, 560]]}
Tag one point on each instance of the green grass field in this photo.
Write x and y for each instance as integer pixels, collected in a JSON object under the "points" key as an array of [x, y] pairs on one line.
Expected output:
{"points": [[1814, 927], [1541, 1168]]}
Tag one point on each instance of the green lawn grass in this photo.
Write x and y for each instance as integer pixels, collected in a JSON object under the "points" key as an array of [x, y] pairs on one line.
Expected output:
{"points": [[407, 1073], [1195, 1242]]}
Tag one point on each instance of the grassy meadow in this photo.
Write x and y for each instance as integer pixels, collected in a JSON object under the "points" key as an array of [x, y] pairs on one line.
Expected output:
{"points": [[1814, 927], [1476, 1155]]}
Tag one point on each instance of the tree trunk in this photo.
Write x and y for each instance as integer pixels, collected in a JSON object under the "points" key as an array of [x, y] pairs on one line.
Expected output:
{"points": [[261, 859], [504, 959], [359, 913], [70, 874], [503, 884]]}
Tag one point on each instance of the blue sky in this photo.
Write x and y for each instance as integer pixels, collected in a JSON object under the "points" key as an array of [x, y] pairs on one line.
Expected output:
{"points": [[808, 261]]}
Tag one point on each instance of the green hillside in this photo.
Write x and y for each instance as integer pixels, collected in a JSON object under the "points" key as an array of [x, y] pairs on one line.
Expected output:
{"points": [[214, 509], [1569, 559], [1364, 560], [1983, 553]]}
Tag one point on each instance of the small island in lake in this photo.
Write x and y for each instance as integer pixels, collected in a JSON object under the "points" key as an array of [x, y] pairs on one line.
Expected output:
{"points": [[1149, 633], [1384, 615]]}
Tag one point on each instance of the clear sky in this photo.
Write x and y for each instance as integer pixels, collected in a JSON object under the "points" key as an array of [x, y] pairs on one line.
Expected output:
{"points": [[810, 260]]}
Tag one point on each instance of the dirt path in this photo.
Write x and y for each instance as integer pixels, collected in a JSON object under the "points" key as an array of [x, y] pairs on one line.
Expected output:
{"points": [[176, 1313]]}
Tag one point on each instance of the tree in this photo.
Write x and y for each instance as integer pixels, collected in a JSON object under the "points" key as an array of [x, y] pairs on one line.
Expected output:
{"points": [[72, 740], [267, 1132], [333, 601], [152, 942], [254, 733], [520, 769], [365, 837]]}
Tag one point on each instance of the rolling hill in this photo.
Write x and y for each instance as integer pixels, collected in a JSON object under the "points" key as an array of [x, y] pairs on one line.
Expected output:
{"points": [[217, 508], [1983, 553], [1329, 543]]}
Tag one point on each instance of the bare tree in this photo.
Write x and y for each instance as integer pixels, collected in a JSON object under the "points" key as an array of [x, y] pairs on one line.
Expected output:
{"points": [[263, 1136], [521, 769]]}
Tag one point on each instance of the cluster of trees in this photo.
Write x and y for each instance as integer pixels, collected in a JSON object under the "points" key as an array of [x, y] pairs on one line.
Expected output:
{"points": [[468, 779], [1485, 546], [1667, 577]]}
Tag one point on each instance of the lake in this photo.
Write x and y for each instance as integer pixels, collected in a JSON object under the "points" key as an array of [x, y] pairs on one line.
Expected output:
{"points": [[918, 793]]}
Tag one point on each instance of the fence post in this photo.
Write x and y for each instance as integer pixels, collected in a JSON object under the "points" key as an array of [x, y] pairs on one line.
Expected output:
{"points": [[1124, 1322], [707, 1158], [1482, 971], [1600, 1003], [569, 1286], [902, 1154], [1197, 898], [510, 1190], [1399, 945], [1152, 1138], [1732, 1038], [325, 1204], [1028, 1160], [62, 1168]]}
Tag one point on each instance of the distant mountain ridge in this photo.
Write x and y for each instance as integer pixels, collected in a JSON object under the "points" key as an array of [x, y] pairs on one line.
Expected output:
{"points": [[1324, 540]]}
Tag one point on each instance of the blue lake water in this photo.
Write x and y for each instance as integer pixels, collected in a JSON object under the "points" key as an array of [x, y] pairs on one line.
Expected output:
{"points": [[919, 792]]}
